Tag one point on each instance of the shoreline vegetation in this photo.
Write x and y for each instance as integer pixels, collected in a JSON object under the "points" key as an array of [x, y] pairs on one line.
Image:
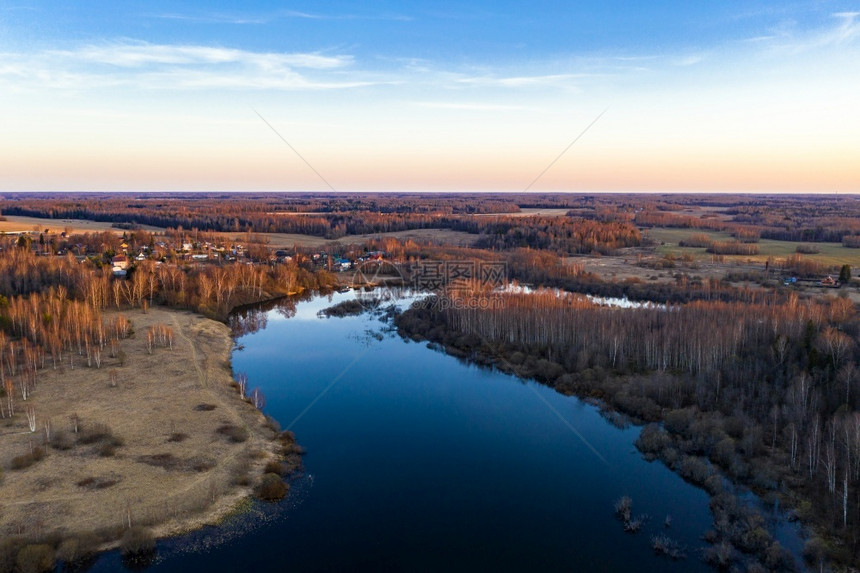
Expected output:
{"points": [[120, 420], [96, 475], [649, 365]]}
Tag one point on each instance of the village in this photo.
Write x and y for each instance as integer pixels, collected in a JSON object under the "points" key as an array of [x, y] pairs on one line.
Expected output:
{"points": [[123, 250]]}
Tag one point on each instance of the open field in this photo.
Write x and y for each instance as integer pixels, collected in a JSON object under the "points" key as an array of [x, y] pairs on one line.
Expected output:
{"points": [[529, 212], [14, 223], [832, 254], [287, 240], [167, 465], [276, 240]]}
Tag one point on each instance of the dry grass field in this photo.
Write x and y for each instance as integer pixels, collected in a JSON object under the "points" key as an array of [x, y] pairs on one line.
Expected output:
{"points": [[166, 447], [288, 240], [14, 224], [832, 254], [530, 212]]}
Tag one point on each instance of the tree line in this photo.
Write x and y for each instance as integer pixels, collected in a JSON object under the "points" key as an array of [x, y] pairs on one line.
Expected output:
{"points": [[766, 390]]}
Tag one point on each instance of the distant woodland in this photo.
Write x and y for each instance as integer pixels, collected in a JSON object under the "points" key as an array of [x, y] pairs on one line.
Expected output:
{"points": [[832, 219]]}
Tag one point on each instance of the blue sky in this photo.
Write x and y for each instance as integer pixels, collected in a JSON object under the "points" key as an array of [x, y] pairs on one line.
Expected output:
{"points": [[739, 96]]}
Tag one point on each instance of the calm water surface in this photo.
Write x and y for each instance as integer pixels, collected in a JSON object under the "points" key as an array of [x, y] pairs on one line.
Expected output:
{"points": [[419, 462]]}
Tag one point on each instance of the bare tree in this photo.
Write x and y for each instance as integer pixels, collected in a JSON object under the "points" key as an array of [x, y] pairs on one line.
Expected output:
{"points": [[242, 384], [31, 418], [258, 399]]}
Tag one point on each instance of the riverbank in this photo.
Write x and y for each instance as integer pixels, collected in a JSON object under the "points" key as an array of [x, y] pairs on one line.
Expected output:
{"points": [[157, 436], [739, 534]]}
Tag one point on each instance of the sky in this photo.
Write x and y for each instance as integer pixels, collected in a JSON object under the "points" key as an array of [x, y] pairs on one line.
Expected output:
{"points": [[738, 95]]}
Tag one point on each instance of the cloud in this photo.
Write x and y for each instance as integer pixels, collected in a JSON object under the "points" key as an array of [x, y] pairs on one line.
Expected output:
{"points": [[843, 30], [523, 81], [141, 54], [689, 60], [169, 66], [258, 19], [468, 106]]}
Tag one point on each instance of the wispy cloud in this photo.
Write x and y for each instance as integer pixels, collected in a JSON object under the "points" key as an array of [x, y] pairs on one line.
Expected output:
{"points": [[468, 106], [268, 18], [137, 54], [787, 37], [146, 66], [523, 80]]}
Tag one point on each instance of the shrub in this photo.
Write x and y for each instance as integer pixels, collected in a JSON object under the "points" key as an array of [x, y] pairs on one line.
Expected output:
{"points": [[694, 469], [272, 487], [678, 421], [200, 464], [273, 424], [815, 551], [665, 545], [78, 548], [106, 450], [177, 437], [778, 558], [669, 456], [98, 433], [241, 473], [851, 241], [623, 507], [137, 540], [8, 549], [97, 482], [26, 460], [234, 433], [274, 467], [807, 249], [652, 440], [62, 440], [165, 461], [720, 555], [724, 452], [35, 559]]}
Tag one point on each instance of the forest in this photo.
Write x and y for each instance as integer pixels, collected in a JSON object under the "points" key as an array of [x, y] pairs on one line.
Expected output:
{"points": [[333, 216], [765, 390]]}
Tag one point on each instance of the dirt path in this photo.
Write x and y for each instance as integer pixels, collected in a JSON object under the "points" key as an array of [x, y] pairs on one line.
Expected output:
{"points": [[195, 359]]}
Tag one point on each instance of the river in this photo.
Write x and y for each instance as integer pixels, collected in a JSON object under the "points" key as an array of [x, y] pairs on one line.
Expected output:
{"points": [[418, 461]]}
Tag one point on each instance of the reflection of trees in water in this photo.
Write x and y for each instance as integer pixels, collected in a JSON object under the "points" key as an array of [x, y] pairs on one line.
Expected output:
{"points": [[254, 317], [247, 321]]}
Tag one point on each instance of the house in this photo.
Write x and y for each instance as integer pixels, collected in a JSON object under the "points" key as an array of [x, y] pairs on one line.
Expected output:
{"points": [[120, 262], [828, 281]]}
